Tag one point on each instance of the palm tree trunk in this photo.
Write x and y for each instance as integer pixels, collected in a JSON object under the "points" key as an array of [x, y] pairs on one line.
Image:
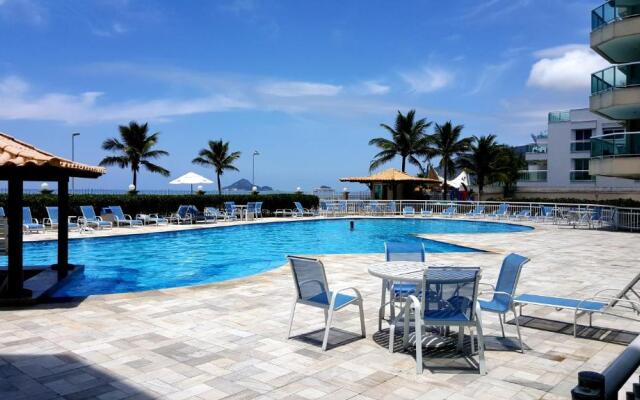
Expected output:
{"points": [[135, 179], [404, 162], [219, 188], [445, 181]]}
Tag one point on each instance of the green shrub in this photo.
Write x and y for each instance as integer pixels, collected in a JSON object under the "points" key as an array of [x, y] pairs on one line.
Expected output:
{"points": [[162, 204]]}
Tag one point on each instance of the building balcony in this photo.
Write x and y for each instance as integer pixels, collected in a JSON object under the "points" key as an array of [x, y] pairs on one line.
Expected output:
{"points": [[615, 92], [559, 116], [616, 154], [615, 30], [580, 146], [533, 176], [581, 176]]}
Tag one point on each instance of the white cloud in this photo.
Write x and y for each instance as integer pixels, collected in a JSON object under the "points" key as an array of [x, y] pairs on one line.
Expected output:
{"points": [[567, 67], [428, 79], [373, 87], [16, 102], [298, 89]]}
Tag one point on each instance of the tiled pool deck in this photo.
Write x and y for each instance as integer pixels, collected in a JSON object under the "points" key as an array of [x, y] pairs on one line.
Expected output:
{"points": [[227, 340]]}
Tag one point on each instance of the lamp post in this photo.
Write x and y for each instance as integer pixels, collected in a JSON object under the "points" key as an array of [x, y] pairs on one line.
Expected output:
{"points": [[253, 167], [73, 156]]}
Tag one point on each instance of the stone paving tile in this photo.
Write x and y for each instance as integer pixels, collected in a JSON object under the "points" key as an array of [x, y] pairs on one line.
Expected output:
{"points": [[227, 340]]}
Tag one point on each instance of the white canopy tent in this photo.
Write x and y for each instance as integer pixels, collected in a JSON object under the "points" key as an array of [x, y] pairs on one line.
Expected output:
{"points": [[191, 178], [460, 181]]}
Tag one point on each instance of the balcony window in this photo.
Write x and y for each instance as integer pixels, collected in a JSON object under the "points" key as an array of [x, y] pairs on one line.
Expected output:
{"points": [[580, 171], [608, 13], [617, 76], [559, 116], [625, 144], [533, 176]]}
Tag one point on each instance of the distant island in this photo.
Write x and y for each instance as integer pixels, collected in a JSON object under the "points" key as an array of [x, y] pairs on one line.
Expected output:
{"points": [[246, 186]]}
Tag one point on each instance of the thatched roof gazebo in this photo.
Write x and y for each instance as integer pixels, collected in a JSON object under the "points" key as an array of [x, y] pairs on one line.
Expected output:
{"points": [[20, 162], [386, 185]]}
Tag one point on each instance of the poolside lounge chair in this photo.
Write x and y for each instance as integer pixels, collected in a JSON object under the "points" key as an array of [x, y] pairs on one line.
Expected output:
{"points": [[453, 301], [522, 214], [230, 211], [426, 213], [152, 218], [476, 212], [52, 220], [313, 290], [212, 214], [300, 211], [90, 219], [392, 208], [120, 218], [546, 214], [408, 211], [598, 303], [30, 224], [181, 216], [399, 251], [450, 211], [502, 211], [258, 210], [504, 292]]}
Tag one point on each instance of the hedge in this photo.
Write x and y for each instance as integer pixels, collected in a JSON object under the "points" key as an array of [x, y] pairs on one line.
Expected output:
{"points": [[163, 204]]}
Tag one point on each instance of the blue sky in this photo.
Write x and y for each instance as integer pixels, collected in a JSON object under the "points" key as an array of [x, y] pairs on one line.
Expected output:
{"points": [[305, 83]]}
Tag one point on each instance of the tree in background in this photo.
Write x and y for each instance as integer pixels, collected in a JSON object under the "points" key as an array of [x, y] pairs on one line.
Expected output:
{"points": [[135, 148], [446, 143], [408, 140], [218, 157], [482, 161], [509, 165]]}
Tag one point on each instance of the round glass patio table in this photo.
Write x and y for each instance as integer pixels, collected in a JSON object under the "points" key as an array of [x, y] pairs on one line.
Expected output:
{"points": [[399, 271]]}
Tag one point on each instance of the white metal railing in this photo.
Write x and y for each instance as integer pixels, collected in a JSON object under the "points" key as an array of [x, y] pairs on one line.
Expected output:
{"points": [[625, 218]]}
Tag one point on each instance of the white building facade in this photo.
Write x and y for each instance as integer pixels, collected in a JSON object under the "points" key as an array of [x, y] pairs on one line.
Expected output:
{"points": [[558, 163]]}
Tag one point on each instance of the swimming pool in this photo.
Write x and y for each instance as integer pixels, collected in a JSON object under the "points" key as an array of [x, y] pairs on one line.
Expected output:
{"points": [[169, 259]]}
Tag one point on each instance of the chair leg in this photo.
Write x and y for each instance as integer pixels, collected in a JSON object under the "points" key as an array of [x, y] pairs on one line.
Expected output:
{"points": [[383, 301], [362, 327], [482, 361], [293, 310], [326, 315], [473, 346], [460, 345], [327, 329], [418, 345], [392, 335], [407, 320], [501, 324], [515, 317]]}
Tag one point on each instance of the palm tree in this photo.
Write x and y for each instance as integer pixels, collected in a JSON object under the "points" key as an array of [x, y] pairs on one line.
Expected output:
{"points": [[218, 157], [446, 143], [135, 149], [408, 141], [481, 160], [509, 163]]}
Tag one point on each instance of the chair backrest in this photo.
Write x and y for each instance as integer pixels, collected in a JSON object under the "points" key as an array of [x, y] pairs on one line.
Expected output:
{"points": [[450, 291], [408, 210], [26, 215], [258, 206], [547, 211], [251, 206], [298, 206], [479, 210], [342, 205], [623, 293], [193, 210], [502, 208], [52, 212], [323, 205], [508, 278], [88, 213], [597, 214], [211, 211], [404, 251], [451, 209], [183, 211], [309, 279], [2, 214], [117, 212], [230, 207], [391, 206]]}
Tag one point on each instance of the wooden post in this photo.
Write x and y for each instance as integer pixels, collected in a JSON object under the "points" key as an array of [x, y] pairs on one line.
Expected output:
{"points": [[15, 273], [63, 227]]}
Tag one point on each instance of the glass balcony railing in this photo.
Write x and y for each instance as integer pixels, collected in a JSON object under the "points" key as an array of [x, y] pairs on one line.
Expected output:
{"points": [[614, 77], [581, 176], [532, 176], [537, 148], [580, 146], [608, 13], [559, 116], [625, 144]]}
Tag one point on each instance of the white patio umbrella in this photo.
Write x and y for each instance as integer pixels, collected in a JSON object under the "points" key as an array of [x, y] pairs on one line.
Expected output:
{"points": [[190, 178]]}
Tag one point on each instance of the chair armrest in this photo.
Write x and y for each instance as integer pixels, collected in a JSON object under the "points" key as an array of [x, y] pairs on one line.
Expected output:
{"points": [[487, 284], [34, 221], [127, 216], [46, 221], [350, 288], [412, 301]]}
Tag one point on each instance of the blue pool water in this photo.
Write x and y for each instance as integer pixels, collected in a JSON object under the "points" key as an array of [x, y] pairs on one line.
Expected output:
{"points": [[170, 259]]}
